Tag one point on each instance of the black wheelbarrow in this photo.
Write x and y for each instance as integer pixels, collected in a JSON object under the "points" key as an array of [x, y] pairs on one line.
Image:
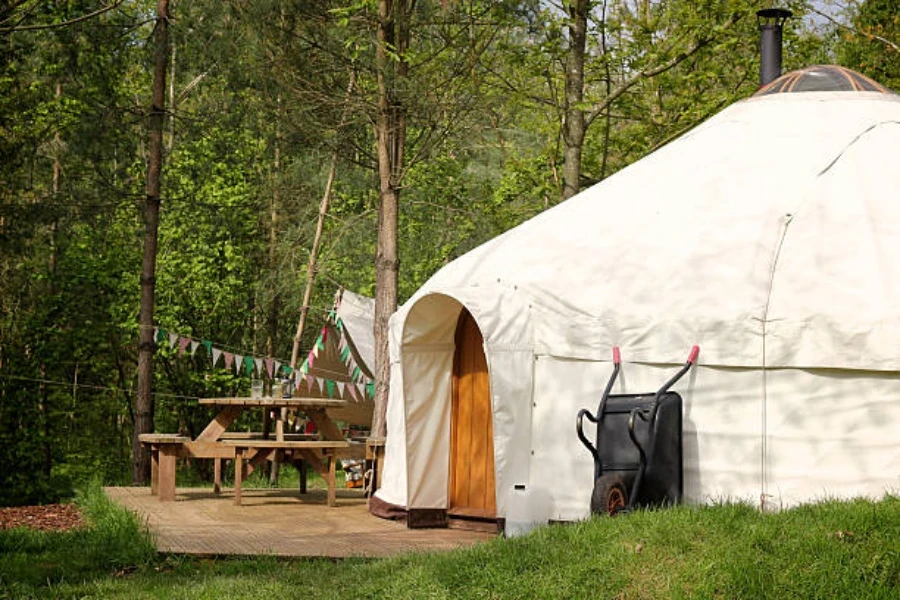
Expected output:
{"points": [[637, 452]]}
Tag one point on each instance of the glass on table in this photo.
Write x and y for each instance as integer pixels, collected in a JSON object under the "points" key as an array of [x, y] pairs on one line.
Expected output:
{"points": [[256, 389]]}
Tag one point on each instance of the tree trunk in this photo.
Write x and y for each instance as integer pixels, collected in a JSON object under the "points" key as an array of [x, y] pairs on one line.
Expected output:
{"points": [[144, 409], [311, 265], [274, 209], [44, 397], [574, 125], [390, 139]]}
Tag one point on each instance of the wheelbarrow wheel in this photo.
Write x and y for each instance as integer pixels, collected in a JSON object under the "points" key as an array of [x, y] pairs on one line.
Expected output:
{"points": [[610, 495]]}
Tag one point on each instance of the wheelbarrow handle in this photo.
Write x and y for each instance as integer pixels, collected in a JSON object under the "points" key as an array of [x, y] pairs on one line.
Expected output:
{"points": [[692, 358], [580, 430]]}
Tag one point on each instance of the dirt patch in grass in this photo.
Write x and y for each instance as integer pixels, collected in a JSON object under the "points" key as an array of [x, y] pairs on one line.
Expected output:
{"points": [[49, 517]]}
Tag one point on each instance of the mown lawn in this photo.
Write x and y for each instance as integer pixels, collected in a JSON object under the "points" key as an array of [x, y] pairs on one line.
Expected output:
{"points": [[827, 550]]}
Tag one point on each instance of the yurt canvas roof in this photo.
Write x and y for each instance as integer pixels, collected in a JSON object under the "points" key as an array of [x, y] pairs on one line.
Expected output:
{"points": [[769, 235], [688, 241]]}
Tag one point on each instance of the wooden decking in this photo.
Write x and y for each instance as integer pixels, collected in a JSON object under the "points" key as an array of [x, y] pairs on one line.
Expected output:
{"points": [[281, 523]]}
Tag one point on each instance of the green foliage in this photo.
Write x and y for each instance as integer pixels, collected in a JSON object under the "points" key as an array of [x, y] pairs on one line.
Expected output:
{"points": [[872, 44], [259, 106]]}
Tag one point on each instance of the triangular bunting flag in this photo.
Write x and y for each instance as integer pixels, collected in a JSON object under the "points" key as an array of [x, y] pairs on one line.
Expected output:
{"points": [[216, 354], [353, 391], [304, 368], [173, 339], [194, 345], [345, 354], [238, 363], [321, 383], [248, 364], [288, 370], [357, 373], [270, 367], [160, 334], [309, 383], [156, 334], [208, 345], [183, 344], [339, 323], [370, 389], [340, 387], [258, 365], [311, 359], [330, 385], [278, 369], [229, 360]]}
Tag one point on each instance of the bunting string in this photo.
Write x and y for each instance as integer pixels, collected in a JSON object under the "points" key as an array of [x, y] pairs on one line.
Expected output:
{"points": [[357, 389]]}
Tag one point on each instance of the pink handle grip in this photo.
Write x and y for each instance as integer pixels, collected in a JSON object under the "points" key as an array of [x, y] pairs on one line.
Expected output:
{"points": [[693, 356], [617, 358]]}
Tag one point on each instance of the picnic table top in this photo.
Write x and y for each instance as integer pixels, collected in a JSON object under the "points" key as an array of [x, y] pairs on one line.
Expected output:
{"points": [[280, 402]]}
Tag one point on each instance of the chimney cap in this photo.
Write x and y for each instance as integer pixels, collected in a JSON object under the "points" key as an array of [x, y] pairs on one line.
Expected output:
{"points": [[779, 15]]}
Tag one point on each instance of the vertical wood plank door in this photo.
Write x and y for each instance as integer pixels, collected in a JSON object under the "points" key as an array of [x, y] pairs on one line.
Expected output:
{"points": [[472, 485]]}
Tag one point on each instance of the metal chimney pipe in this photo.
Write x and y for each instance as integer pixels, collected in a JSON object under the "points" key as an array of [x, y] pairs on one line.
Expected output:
{"points": [[771, 24]]}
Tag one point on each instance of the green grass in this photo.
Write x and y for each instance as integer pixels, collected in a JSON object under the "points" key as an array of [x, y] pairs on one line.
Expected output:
{"points": [[828, 550], [34, 562]]}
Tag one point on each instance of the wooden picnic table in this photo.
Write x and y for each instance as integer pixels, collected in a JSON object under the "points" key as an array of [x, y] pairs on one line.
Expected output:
{"points": [[251, 450]]}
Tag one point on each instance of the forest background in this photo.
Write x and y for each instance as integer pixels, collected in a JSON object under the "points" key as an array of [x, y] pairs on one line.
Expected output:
{"points": [[267, 101]]}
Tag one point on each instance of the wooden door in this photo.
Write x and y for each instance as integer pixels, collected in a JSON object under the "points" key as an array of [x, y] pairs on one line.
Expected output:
{"points": [[472, 486]]}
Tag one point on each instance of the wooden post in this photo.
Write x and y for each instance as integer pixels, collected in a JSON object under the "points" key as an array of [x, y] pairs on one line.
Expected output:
{"points": [[332, 466], [302, 469], [154, 470], [217, 475], [238, 474], [166, 472]]}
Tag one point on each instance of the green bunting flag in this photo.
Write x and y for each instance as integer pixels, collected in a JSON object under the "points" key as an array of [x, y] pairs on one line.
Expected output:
{"points": [[370, 389], [287, 370], [345, 354], [304, 368], [161, 335], [248, 365], [320, 343], [330, 385], [356, 373], [208, 345]]}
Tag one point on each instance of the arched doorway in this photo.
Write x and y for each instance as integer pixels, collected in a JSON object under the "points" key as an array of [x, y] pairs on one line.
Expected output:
{"points": [[472, 493]]}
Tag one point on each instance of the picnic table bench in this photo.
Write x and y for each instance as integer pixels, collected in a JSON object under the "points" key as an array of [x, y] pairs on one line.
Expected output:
{"points": [[249, 450]]}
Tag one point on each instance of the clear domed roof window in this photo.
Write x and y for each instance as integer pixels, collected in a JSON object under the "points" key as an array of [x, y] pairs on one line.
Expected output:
{"points": [[822, 78]]}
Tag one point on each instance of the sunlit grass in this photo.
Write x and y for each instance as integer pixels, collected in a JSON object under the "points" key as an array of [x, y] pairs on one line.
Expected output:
{"points": [[828, 550]]}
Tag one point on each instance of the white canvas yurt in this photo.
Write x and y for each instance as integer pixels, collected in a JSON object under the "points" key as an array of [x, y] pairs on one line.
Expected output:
{"points": [[769, 236]]}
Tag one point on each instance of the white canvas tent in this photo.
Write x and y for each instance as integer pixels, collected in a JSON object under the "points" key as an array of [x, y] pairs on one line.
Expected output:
{"points": [[339, 363], [769, 235]]}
